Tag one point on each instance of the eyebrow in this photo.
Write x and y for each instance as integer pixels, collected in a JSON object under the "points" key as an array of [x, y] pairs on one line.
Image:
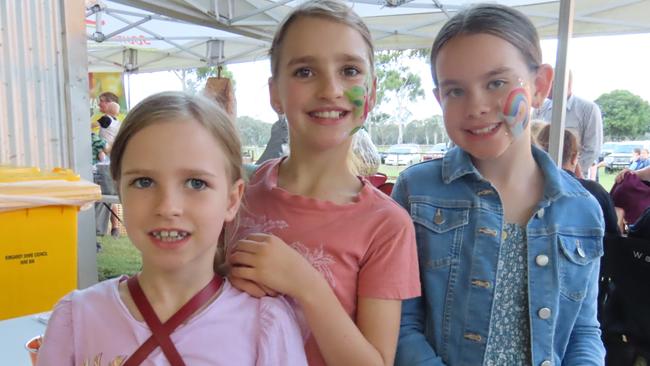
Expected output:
{"points": [[487, 75], [190, 172], [345, 57]]}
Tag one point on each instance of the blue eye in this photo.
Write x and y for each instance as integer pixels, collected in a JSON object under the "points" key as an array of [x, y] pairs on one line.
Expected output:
{"points": [[455, 92], [196, 184], [496, 84], [303, 72], [142, 182], [351, 71]]}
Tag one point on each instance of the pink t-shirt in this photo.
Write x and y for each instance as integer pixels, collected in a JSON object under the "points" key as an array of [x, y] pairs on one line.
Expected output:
{"points": [[94, 327], [363, 249]]}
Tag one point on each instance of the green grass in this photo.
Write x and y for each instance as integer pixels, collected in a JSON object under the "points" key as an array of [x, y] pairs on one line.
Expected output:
{"points": [[391, 171], [117, 257], [606, 179]]}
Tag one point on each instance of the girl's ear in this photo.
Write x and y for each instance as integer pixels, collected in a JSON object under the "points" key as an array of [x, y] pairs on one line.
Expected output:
{"points": [[234, 199], [543, 83], [274, 98], [436, 93]]}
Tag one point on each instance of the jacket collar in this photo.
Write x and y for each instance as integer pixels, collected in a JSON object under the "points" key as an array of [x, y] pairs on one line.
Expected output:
{"points": [[457, 163]]}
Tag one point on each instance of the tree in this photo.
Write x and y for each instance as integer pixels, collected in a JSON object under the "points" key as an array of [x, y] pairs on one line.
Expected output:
{"points": [[253, 132], [194, 79], [426, 132], [397, 85], [625, 115]]}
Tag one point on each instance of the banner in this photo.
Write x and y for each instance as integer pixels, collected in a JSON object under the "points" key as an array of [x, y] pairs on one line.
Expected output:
{"points": [[100, 82]]}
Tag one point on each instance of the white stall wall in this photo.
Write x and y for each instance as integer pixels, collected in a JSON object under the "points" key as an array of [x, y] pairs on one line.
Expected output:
{"points": [[44, 109]]}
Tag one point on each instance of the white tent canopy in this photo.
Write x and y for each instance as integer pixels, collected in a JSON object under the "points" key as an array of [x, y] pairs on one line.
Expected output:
{"points": [[149, 35]]}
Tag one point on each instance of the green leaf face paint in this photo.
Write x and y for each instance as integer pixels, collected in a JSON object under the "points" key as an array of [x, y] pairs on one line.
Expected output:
{"points": [[358, 96]]}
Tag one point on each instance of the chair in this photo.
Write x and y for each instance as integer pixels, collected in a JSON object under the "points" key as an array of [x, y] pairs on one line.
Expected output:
{"points": [[624, 300], [386, 188], [377, 179]]}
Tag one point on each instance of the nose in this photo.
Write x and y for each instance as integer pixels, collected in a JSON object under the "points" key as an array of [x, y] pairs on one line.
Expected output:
{"points": [[478, 105], [330, 86], [169, 203]]}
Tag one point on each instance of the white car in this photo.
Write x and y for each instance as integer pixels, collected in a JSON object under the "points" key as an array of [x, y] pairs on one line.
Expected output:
{"points": [[405, 154]]}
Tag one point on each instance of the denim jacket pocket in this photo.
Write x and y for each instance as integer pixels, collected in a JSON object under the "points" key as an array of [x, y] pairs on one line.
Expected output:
{"points": [[577, 252], [439, 231]]}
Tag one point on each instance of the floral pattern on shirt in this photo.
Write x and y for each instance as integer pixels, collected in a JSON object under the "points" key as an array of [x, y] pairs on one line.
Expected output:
{"points": [[97, 361], [509, 335], [318, 257]]}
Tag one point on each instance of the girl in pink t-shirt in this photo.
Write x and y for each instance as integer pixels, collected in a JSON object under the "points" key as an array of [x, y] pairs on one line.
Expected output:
{"points": [[177, 164], [310, 227]]}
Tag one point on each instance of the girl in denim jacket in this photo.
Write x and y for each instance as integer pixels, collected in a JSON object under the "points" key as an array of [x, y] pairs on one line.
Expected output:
{"points": [[508, 244]]}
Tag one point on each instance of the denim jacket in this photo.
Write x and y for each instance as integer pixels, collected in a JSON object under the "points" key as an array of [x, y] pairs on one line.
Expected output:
{"points": [[459, 222]]}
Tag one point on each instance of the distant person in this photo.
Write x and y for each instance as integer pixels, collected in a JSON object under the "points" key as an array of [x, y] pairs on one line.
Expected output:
{"points": [[641, 161], [109, 123], [631, 193], [103, 100], [109, 126], [569, 164], [276, 147], [636, 153], [584, 118], [177, 164]]}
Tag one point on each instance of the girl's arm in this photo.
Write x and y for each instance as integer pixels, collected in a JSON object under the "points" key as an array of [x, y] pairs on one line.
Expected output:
{"points": [[267, 260]]}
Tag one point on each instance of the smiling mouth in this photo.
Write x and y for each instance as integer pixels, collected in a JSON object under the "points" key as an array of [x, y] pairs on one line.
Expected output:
{"points": [[484, 130], [170, 235], [328, 114]]}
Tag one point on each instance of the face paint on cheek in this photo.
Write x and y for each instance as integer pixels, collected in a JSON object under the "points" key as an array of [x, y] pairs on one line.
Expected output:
{"points": [[358, 96], [516, 111]]}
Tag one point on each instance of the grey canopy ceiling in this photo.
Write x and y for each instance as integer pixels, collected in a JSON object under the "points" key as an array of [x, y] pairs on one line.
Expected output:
{"points": [[150, 35]]}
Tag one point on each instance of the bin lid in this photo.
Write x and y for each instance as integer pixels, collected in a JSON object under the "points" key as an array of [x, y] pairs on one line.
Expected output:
{"points": [[26, 187]]}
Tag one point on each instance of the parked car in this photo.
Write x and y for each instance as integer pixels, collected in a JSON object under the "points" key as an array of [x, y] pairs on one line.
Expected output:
{"points": [[404, 154], [607, 149], [621, 157], [437, 151]]}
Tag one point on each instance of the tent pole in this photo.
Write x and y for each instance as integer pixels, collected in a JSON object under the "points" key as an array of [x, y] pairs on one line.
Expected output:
{"points": [[560, 81]]}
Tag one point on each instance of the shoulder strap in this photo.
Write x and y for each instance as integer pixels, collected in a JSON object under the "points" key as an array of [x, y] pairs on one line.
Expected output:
{"points": [[160, 333]]}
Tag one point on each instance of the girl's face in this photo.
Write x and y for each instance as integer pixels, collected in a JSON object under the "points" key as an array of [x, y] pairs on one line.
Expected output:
{"points": [[176, 194], [486, 91], [323, 83]]}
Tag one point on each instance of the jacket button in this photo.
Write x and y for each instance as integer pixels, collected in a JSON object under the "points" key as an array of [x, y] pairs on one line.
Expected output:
{"points": [[541, 260], [546, 363], [504, 235], [540, 213], [579, 250], [544, 313]]}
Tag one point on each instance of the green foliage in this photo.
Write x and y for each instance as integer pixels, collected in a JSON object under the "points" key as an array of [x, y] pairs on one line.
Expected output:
{"points": [[426, 132], [394, 80], [194, 79], [625, 115], [253, 132]]}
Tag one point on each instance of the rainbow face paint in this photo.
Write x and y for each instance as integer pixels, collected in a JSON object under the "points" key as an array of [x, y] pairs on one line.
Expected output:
{"points": [[358, 96], [516, 111]]}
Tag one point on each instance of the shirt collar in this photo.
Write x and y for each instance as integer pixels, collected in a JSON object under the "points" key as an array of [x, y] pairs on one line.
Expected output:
{"points": [[457, 163], [570, 101]]}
